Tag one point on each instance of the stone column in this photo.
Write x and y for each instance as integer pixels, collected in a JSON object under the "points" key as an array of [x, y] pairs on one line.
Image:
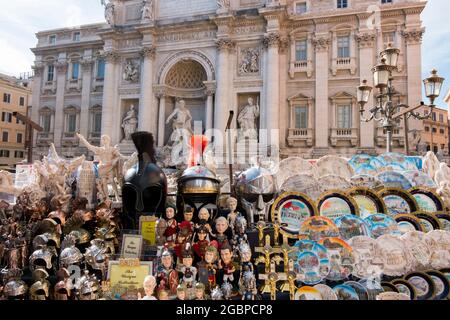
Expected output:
{"points": [[322, 44], [38, 69], [366, 41], [223, 84], [413, 39], [272, 83], [283, 78], [210, 91], [147, 109], [161, 95], [61, 68], [109, 94], [86, 65]]}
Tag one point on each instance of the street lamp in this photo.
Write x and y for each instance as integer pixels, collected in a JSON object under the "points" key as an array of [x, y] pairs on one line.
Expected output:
{"points": [[386, 111]]}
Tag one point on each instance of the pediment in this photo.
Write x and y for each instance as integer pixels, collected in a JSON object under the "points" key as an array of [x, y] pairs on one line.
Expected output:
{"points": [[300, 96]]}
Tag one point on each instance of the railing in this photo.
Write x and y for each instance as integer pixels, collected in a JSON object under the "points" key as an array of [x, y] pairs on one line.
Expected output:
{"points": [[300, 137], [69, 135], [300, 64], [74, 84], [45, 136], [299, 132], [343, 61], [344, 135]]}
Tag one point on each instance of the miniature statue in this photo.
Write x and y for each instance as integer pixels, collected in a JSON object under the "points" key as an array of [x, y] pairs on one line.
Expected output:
{"points": [[149, 288], [188, 215], [202, 243], [183, 237], [167, 277], [200, 291], [163, 295], [226, 263], [161, 228], [172, 226], [221, 229], [189, 272], [240, 228], [208, 267], [232, 215], [248, 288], [181, 292], [108, 168], [203, 220]]}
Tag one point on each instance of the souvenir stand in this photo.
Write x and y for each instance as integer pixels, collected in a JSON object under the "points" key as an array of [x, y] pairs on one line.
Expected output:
{"points": [[365, 228]]}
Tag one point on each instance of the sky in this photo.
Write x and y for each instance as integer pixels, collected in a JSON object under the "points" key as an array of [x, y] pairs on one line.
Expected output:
{"points": [[21, 19]]}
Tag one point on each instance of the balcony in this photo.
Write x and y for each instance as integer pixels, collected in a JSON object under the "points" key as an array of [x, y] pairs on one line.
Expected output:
{"points": [[305, 66], [344, 137], [343, 64], [49, 87], [98, 84], [300, 137], [69, 139], [44, 139], [94, 138], [398, 138], [74, 85]]}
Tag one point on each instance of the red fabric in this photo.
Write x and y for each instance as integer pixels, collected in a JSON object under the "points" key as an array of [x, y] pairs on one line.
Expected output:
{"points": [[198, 147]]}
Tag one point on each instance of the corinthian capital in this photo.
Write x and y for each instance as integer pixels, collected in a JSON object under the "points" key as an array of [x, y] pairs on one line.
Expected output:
{"points": [[61, 66], [111, 56], [413, 36], [272, 39], [86, 64], [225, 44], [148, 52], [365, 39], [321, 43], [38, 68]]}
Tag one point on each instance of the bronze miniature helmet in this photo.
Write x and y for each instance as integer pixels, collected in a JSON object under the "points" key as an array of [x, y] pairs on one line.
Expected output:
{"points": [[15, 288], [42, 258], [96, 255], [39, 290], [47, 239], [62, 291], [70, 256]]}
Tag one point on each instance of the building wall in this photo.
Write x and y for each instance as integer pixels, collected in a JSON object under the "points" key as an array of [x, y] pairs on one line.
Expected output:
{"points": [[219, 41], [16, 149], [435, 131]]}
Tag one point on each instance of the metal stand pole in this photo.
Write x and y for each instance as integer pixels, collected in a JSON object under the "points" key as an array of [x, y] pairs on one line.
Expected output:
{"points": [[230, 146], [389, 140], [405, 118]]}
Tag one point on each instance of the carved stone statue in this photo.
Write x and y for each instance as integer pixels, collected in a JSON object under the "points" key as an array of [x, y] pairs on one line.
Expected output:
{"points": [[223, 4], [108, 168], [131, 72], [129, 123], [182, 131], [109, 12], [147, 10], [414, 139], [430, 164], [249, 62], [7, 183], [247, 121]]}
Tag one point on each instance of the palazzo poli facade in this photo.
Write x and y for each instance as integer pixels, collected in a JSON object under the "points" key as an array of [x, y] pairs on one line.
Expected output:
{"points": [[300, 61]]}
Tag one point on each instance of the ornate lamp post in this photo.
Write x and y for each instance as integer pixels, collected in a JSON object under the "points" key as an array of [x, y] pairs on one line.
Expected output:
{"points": [[386, 111]]}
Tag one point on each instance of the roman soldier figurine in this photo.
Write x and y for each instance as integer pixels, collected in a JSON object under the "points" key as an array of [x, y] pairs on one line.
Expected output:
{"points": [[208, 267], [221, 229], [226, 264], [167, 277], [172, 226], [188, 215], [201, 244], [184, 236], [187, 270]]}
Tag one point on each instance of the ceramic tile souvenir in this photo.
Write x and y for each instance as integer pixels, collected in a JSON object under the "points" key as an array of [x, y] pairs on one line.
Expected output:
{"points": [[392, 158], [429, 222], [334, 182], [419, 179], [439, 242], [397, 260], [305, 183], [376, 163], [291, 209], [359, 288], [424, 285], [326, 292], [334, 204], [361, 164], [345, 292], [366, 181], [334, 165], [405, 287], [427, 200], [368, 201], [292, 166], [308, 293], [381, 224], [368, 259], [398, 201], [393, 296], [415, 242], [414, 162], [312, 262], [373, 287], [407, 223], [441, 283], [444, 218], [341, 256], [394, 179], [351, 226], [317, 228]]}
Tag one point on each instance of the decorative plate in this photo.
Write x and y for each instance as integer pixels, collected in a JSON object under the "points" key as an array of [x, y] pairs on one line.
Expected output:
{"points": [[444, 218], [341, 257], [381, 224], [368, 260], [313, 264], [393, 296], [376, 163], [334, 182], [359, 288], [366, 168], [407, 223], [317, 228], [345, 292], [305, 183], [389, 287], [429, 222], [361, 164], [291, 209], [419, 179], [414, 162], [423, 284], [334, 165], [351, 226], [334, 204], [395, 159], [446, 272], [373, 287], [398, 201], [366, 181], [405, 287], [368, 201], [427, 200], [439, 242], [397, 260], [308, 293], [326, 292], [416, 244], [394, 179], [441, 283]]}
